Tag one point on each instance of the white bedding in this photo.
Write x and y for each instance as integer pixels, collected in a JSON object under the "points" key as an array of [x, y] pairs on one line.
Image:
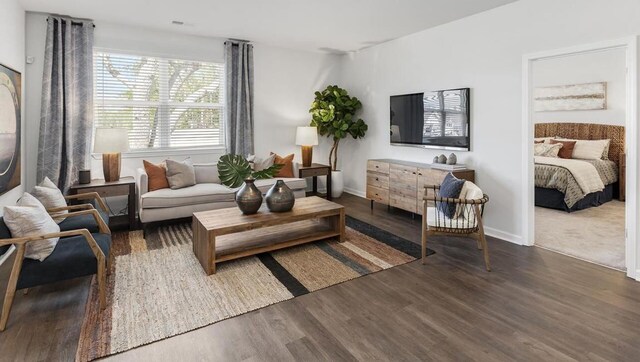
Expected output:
{"points": [[585, 173]]}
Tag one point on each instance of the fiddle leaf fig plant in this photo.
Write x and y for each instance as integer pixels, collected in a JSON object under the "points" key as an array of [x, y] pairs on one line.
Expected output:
{"points": [[234, 169], [333, 113]]}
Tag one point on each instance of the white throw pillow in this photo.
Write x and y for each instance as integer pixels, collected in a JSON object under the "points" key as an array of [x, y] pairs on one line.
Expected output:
{"points": [[259, 164], [206, 173], [180, 174], [546, 150], [470, 191], [30, 218], [590, 149], [543, 139], [50, 195]]}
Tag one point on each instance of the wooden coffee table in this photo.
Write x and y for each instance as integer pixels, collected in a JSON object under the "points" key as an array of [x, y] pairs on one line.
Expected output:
{"points": [[226, 234]]}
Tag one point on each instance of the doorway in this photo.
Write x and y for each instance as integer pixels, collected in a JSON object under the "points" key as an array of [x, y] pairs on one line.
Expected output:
{"points": [[563, 211]]}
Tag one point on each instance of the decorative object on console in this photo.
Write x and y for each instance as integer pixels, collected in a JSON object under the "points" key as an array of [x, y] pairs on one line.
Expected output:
{"points": [[442, 159], [453, 159], [435, 159], [280, 197], [84, 176], [306, 138], [234, 169], [249, 198], [574, 97], [333, 112], [10, 104], [447, 167], [111, 142]]}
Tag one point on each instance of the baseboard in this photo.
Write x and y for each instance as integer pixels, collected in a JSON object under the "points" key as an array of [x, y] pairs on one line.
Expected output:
{"points": [[355, 192], [502, 235]]}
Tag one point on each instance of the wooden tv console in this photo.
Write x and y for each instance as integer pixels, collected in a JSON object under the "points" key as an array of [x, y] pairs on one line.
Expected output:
{"points": [[401, 183]]}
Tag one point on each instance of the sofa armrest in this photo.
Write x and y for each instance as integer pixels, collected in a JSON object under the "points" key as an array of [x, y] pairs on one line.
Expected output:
{"points": [[142, 185], [296, 168]]}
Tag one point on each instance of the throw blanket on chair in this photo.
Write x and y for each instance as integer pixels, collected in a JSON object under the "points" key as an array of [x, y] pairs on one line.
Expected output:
{"points": [[585, 174]]}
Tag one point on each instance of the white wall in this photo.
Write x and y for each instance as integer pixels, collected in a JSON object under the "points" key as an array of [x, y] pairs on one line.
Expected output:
{"points": [[12, 35], [483, 52], [603, 66], [284, 84]]}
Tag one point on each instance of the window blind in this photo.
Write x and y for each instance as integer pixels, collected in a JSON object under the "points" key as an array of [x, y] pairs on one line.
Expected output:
{"points": [[164, 103]]}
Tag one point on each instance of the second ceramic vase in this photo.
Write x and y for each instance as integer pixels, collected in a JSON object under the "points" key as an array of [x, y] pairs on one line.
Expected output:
{"points": [[280, 198], [249, 198]]}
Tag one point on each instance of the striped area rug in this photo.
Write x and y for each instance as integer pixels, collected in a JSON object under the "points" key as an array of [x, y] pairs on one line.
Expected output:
{"points": [[157, 288]]}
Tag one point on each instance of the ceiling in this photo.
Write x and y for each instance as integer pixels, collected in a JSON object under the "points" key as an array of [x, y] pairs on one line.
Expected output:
{"points": [[317, 25]]}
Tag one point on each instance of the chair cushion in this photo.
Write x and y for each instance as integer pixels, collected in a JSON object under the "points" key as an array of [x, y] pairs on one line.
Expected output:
{"points": [[84, 222], [450, 187], [192, 195], [293, 183], [71, 258], [4, 234], [436, 218]]}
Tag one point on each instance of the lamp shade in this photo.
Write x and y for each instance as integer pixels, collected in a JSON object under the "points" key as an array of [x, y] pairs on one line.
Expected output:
{"points": [[307, 136], [111, 140]]}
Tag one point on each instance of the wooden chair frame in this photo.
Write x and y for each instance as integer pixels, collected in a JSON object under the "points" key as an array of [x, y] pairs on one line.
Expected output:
{"points": [[20, 244], [89, 196], [476, 230]]}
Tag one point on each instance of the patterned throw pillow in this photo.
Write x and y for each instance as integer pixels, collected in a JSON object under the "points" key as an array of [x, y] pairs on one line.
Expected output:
{"points": [[546, 149], [50, 195], [450, 187], [30, 218]]}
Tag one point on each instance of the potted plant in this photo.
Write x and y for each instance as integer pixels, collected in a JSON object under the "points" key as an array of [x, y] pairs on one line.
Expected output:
{"points": [[333, 113]]}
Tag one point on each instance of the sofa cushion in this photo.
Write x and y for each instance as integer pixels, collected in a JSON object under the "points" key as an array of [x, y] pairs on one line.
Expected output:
{"points": [[293, 183], [83, 222], [206, 173], [192, 195], [71, 258]]}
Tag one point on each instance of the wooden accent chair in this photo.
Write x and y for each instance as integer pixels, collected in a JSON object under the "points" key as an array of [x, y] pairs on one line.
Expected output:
{"points": [[83, 249], [467, 223]]}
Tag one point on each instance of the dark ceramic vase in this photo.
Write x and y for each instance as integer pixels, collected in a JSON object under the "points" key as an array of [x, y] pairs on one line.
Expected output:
{"points": [[280, 198], [249, 198]]}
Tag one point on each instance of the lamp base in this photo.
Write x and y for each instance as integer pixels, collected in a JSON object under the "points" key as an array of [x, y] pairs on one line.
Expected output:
{"points": [[307, 155], [111, 166]]}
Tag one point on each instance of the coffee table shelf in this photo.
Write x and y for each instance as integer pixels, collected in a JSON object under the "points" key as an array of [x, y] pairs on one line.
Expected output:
{"points": [[226, 234]]}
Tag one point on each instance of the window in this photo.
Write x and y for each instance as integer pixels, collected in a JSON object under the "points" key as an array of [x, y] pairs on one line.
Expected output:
{"points": [[164, 103]]}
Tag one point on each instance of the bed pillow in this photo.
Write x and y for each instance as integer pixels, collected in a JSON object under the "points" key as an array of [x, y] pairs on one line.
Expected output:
{"points": [[30, 218], [546, 149], [450, 187], [590, 149], [206, 173], [50, 196], [542, 139], [180, 174], [566, 151]]}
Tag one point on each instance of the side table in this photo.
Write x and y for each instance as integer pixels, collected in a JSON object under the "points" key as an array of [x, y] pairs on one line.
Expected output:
{"points": [[126, 186], [314, 171]]}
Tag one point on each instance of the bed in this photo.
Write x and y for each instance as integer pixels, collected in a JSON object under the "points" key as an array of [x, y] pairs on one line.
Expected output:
{"points": [[572, 185]]}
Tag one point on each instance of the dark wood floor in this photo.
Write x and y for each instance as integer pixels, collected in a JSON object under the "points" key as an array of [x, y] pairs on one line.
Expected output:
{"points": [[535, 305]]}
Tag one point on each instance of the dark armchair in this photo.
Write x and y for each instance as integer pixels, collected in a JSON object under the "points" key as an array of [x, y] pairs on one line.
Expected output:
{"points": [[80, 252]]}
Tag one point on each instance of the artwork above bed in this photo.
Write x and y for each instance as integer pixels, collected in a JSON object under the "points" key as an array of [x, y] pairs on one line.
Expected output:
{"points": [[574, 97]]}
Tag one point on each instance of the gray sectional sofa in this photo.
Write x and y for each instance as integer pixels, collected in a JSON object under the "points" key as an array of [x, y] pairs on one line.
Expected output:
{"points": [[207, 194]]}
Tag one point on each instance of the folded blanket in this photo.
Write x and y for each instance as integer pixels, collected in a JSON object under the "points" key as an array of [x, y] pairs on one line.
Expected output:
{"points": [[585, 174]]}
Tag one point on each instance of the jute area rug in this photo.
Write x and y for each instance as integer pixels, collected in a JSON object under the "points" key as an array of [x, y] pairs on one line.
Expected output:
{"points": [[157, 289]]}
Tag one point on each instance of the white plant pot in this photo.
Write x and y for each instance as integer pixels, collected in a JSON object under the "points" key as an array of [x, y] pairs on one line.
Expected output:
{"points": [[337, 184]]}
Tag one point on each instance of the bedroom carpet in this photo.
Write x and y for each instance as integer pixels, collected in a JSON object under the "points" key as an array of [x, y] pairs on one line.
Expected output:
{"points": [[595, 234], [157, 289]]}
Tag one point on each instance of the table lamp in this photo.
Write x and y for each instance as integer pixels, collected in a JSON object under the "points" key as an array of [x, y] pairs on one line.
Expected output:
{"points": [[307, 137], [111, 142]]}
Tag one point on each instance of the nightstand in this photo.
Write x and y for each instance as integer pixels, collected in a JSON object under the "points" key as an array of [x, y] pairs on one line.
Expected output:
{"points": [[126, 186], [314, 171]]}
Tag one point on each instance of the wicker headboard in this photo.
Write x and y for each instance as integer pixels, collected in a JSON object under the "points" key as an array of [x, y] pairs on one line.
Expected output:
{"points": [[586, 131]]}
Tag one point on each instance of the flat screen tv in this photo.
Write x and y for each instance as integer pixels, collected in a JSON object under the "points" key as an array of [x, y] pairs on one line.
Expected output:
{"points": [[438, 119]]}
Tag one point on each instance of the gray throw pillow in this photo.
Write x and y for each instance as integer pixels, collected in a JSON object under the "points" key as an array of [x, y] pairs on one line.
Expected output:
{"points": [[206, 173], [180, 174]]}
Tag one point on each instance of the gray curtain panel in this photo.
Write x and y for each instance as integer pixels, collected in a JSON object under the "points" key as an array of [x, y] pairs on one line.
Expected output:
{"points": [[239, 97], [66, 119]]}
